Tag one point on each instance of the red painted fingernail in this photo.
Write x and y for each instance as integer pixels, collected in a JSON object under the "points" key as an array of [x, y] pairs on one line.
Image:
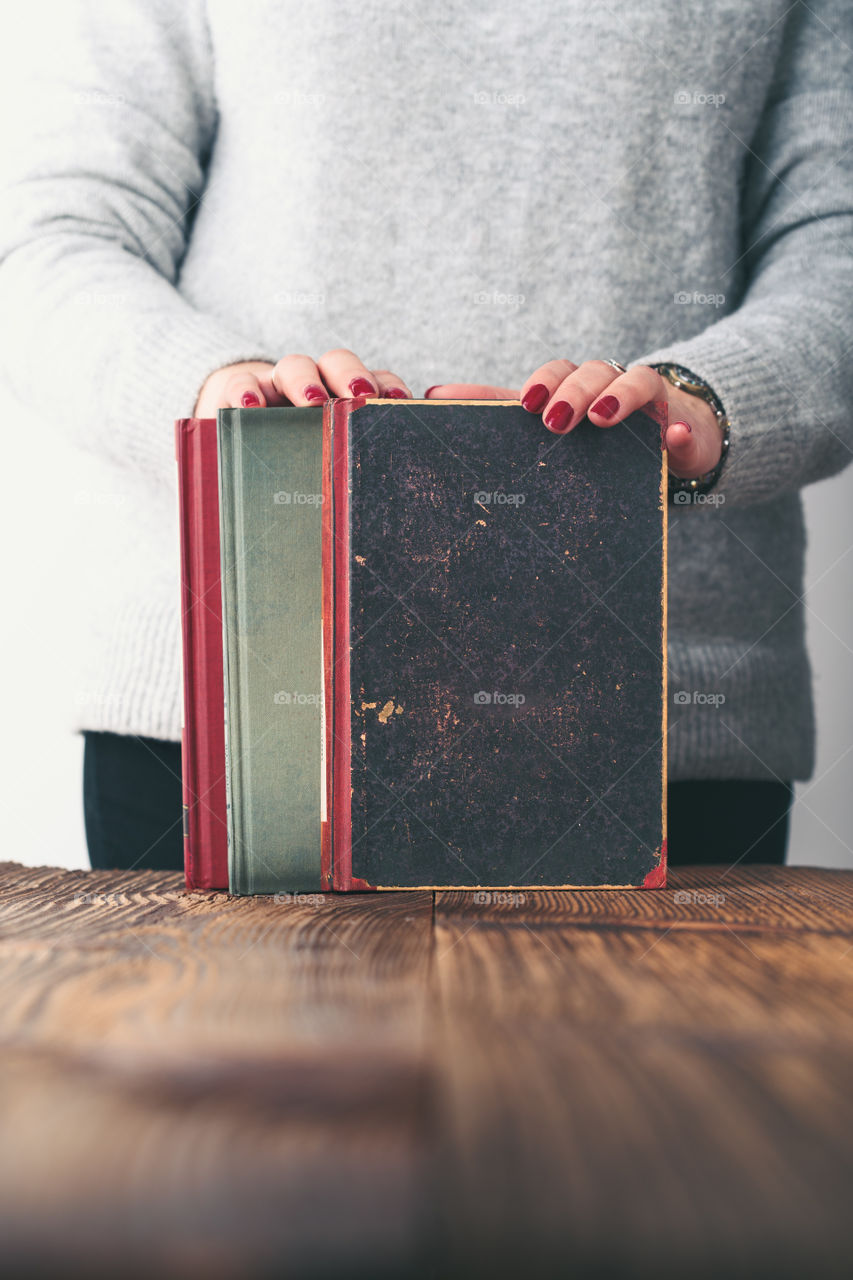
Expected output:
{"points": [[682, 424], [396, 393], [313, 392], [429, 389], [536, 398], [559, 416], [605, 407], [249, 400], [361, 387]]}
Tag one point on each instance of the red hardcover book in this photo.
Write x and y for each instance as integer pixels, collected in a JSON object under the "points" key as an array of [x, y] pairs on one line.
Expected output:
{"points": [[203, 734]]}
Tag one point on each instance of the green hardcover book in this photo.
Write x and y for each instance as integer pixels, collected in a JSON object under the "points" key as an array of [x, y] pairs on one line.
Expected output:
{"points": [[444, 640], [271, 492]]}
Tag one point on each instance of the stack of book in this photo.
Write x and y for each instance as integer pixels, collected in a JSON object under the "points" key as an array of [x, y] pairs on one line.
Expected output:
{"points": [[424, 645]]}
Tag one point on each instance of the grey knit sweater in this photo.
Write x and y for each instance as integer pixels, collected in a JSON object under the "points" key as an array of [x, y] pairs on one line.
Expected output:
{"points": [[456, 192]]}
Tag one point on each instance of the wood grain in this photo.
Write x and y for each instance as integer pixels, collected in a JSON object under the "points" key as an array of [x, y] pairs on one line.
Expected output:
{"points": [[753, 898], [666, 1094], [596, 1084], [196, 1083]]}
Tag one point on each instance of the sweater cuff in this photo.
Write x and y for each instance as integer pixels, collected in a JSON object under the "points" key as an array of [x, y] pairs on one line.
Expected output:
{"points": [[158, 376], [763, 458]]}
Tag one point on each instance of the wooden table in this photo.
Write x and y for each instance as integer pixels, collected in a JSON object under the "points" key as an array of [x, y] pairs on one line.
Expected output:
{"points": [[570, 1084]]}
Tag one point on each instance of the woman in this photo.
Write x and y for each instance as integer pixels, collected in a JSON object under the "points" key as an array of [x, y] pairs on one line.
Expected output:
{"points": [[533, 201]]}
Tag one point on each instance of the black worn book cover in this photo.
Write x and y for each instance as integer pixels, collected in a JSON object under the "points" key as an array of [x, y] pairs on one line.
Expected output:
{"points": [[506, 650]]}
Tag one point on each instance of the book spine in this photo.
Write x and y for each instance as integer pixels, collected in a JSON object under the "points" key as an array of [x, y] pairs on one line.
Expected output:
{"points": [[202, 781], [209, 747], [182, 432], [327, 654], [342, 803], [271, 487], [227, 517], [343, 879]]}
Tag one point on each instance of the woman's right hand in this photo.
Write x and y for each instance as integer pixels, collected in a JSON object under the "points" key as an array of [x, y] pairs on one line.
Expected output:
{"points": [[295, 380]]}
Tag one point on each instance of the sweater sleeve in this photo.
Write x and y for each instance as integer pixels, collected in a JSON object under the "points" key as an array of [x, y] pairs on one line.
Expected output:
{"points": [[115, 121], [782, 361]]}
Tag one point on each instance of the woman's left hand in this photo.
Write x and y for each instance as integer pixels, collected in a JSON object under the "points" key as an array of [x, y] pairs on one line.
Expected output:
{"points": [[565, 393]]}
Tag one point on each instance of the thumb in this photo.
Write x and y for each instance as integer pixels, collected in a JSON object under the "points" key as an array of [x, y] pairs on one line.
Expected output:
{"points": [[692, 450]]}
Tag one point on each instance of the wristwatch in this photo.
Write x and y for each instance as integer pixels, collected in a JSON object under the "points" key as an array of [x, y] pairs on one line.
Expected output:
{"points": [[687, 381]]}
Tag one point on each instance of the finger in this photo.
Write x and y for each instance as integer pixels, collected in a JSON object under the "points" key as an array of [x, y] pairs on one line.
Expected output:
{"points": [[543, 382], [345, 375], [390, 385], [469, 391], [243, 391], [570, 401], [298, 379], [690, 452], [626, 393], [272, 395]]}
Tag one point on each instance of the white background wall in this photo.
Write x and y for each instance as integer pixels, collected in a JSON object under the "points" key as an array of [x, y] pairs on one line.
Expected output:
{"points": [[46, 558]]}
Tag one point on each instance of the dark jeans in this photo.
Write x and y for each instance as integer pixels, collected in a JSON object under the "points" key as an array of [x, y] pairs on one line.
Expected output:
{"points": [[132, 802]]}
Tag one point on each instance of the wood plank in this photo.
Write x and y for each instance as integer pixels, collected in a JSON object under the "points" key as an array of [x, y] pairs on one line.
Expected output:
{"points": [[670, 1099], [204, 1082]]}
